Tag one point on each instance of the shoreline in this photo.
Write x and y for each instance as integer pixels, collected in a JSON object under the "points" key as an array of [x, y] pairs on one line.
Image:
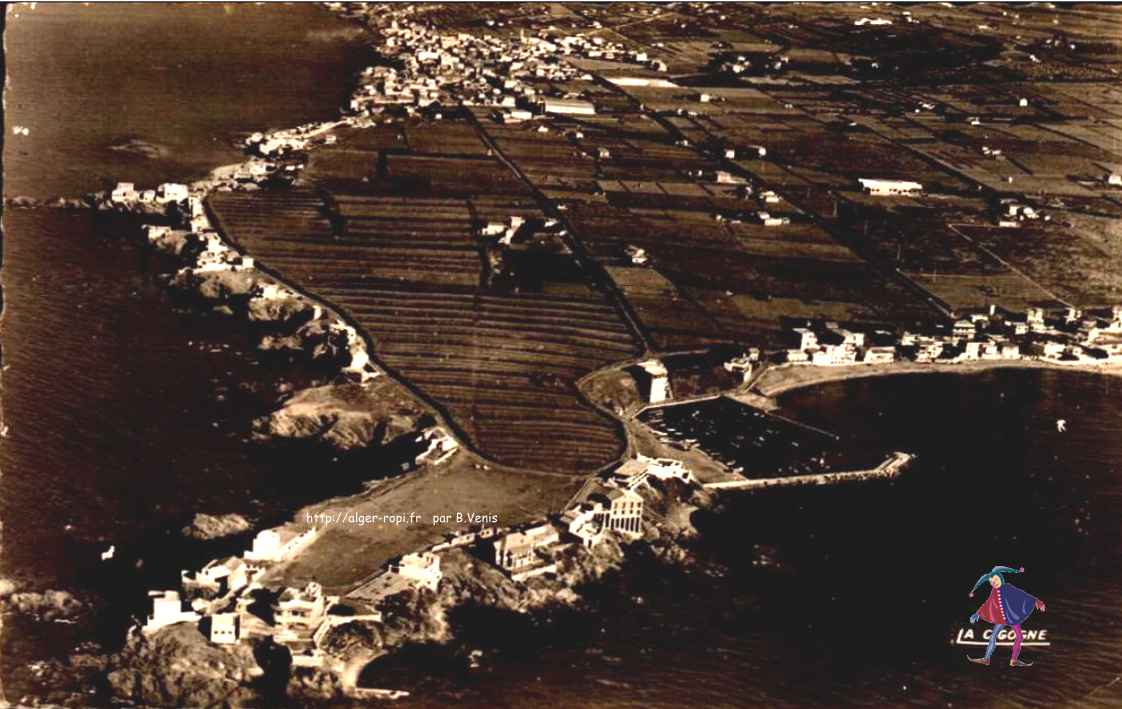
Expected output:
{"points": [[202, 275], [776, 381]]}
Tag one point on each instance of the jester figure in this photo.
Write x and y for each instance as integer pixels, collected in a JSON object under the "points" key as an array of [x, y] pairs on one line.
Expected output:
{"points": [[1007, 605]]}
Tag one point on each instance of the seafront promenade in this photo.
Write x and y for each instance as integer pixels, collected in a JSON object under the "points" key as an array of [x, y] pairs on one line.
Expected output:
{"points": [[780, 379]]}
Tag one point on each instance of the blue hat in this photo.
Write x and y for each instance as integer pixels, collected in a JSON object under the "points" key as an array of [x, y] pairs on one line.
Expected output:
{"points": [[998, 571]]}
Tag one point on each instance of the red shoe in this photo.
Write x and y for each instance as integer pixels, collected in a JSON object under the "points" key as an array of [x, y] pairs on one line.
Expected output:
{"points": [[979, 660]]}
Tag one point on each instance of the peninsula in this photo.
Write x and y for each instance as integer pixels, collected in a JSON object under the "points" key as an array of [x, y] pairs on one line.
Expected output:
{"points": [[534, 222]]}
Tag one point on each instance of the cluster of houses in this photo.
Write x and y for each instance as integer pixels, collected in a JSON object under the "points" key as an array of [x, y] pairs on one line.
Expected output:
{"points": [[431, 67], [126, 194], [603, 507], [1071, 336], [217, 255], [210, 590], [230, 599], [291, 140], [832, 345], [611, 506]]}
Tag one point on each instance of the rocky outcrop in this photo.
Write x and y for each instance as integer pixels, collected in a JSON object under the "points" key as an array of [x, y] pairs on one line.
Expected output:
{"points": [[45, 605], [182, 244], [177, 666], [205, 526], [316, 340], [285, 309], [346, 416], [223, 287], [613, 390]]}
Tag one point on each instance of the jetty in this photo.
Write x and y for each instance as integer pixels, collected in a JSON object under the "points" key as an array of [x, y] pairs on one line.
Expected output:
{"points": [[890, 468]]}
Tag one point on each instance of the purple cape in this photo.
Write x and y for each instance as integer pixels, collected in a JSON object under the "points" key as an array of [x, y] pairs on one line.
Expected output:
{"points": [[1018, 604]]}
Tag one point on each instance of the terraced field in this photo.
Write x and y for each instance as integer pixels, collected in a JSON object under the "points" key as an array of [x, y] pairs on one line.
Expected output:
{"points": [[501, 365]]}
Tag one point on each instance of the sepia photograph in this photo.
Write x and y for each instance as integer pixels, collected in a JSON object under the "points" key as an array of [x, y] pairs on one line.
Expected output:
{"points": [[622, 355]]}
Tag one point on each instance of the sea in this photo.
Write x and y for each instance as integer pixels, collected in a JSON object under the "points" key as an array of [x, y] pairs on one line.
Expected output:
{"points": [[755, 443], [127, 412]]}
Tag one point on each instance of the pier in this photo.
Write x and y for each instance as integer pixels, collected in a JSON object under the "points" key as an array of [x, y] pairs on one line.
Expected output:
{"points": [[890, 468]]}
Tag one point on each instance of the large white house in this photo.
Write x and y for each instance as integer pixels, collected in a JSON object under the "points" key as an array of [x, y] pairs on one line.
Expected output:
{"points": [[167, 609], [889, 187], [422, 570], [280, 545], [570, 107]]}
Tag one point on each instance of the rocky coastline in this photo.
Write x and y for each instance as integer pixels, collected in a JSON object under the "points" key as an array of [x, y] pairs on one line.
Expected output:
{"points": [[179, 666], [356, 405]]}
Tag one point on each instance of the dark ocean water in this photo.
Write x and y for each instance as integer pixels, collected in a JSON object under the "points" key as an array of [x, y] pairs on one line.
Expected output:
{"points": [[865, 585], [189, 80], [758, 444], [127, 414]]}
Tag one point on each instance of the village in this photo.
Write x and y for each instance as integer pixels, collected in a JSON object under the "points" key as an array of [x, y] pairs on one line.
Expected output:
{"points": [[242, 599], [519, 98], [1069, 336]]}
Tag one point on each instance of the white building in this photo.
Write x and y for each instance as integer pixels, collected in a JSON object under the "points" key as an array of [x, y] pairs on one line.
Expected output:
{"points": [[568, 107], [581, 522], [167, 609], [172, 192], [642, 81], [124, 192], [741, 363], [808, 340], [622, 511], [964, 329], [849, 337], [156, 232], [225, 628], [835, 355], [929, 350], [1035, 318], [518, 551], [797, 356], [301, 609], [219, 576], [280, 545], [441, 446], [422, 570], [889, 187], [660, 380], [668, 469], [879, 355]]}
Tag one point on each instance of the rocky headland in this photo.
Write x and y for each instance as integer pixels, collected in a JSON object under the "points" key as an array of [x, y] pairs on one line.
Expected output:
{"points": [[206, 527]]}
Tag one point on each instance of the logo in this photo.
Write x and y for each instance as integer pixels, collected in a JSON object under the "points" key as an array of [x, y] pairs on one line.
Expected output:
{"points": [[1007, 608], [1005, 637]]}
